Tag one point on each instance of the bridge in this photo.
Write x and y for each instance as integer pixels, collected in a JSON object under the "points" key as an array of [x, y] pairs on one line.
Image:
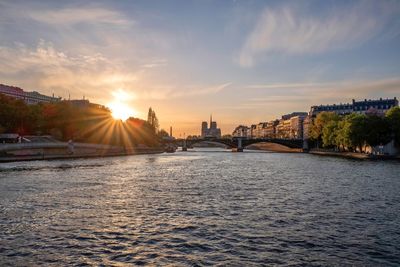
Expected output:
{"points": [[240, 143]]}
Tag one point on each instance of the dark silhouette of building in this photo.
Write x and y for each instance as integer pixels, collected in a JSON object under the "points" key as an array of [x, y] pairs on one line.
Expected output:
{"points": [[379, 105], [213, 131], [28, 97]]}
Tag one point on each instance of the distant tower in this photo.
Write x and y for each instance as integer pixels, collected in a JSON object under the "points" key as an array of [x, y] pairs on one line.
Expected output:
{"points": [[204, 129], [170, 131], [210, 119]]}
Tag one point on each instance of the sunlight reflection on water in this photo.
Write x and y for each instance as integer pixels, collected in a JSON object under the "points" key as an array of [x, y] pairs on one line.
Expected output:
{"points": [[200, 208]]}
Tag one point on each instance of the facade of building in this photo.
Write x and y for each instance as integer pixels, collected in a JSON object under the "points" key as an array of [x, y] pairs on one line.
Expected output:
{"points": [[270, 130], [293, 114], [213, 131], [296, 127], [283, 129], [260, 130], [306, 127], [253, 129], [28, 97], [290, 126], [362, 107]]}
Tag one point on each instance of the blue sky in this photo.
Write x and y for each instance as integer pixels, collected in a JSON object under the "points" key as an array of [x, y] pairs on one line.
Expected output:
{"points": [[243, 61]]}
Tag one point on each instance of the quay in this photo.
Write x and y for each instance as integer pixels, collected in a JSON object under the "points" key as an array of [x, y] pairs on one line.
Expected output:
{"points": [[65, 150], [352, 155]]}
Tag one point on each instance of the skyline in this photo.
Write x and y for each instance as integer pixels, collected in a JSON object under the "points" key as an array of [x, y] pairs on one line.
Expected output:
{"points": [[245, 62]]}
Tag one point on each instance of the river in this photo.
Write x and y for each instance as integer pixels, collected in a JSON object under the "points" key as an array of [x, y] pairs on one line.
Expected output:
{"points": [[200, 208]]}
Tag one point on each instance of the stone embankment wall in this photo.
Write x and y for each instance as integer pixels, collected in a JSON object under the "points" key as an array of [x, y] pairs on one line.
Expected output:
{"points": [[40, 151]]}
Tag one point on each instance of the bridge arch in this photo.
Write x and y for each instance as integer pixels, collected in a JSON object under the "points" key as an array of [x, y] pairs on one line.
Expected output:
{"points": [[233, 143], [227, 142]]}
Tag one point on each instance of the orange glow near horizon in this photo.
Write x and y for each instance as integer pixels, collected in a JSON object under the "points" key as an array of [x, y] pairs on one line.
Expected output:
{"points": [[120, 110]]}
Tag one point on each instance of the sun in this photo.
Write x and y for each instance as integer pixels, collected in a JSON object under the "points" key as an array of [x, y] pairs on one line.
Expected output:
{"points": [[119, 109]]}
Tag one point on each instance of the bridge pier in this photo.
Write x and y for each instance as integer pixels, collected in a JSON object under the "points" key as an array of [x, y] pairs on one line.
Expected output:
{"points": [[305, 145], [184, 145], [239, 146]]}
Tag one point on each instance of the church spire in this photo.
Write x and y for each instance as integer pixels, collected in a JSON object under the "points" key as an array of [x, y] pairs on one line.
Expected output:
{"points": [[210, 119]]}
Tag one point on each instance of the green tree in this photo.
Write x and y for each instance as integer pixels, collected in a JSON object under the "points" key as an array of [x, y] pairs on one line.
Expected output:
{"points": [[357, 130], [393, 115], [329, 134], [317, 126], [343, 134], [378, 131]]}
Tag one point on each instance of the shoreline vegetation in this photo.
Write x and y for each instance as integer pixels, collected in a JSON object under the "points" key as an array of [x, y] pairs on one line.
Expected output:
{"points": [[72, 129], [77, 121], [371, 133]]}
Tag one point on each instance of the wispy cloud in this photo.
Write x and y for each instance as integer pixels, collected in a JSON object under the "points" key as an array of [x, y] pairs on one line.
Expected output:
{"points": [[50, 70], [76, 15], [155, 63], [179, 91], [288, 29], [325, 92]]}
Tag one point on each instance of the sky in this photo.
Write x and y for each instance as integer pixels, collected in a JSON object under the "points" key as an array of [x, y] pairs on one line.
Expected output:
{"points": [[243, 61]]}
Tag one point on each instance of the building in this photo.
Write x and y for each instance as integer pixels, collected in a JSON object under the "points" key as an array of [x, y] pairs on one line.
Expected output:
{"points": [[204, 129], [28, 97], [253, 129], [259, 130], [270, 130], [79, 102], [297, 127], [213, 131], [306, 127], [293, 114], [379, 106], [283, 129], [290, 126]]}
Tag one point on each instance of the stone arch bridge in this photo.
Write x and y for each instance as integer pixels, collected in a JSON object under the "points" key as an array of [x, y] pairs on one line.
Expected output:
{"points": [[240, 143]]}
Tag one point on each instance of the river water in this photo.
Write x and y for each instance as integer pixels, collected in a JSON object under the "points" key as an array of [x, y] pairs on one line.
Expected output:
{"points": [[201, 208]]}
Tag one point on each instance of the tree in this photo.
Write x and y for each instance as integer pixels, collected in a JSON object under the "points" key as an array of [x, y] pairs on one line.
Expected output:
{"points": [[318, 124], [343, 134], [163, 133], [378, 131], [393, 116], [329, 134], [156, 124], [357, 130], [153, 120], [150, 116]]}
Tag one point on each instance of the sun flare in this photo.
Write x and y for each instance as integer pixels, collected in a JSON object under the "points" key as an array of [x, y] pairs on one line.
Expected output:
{"points": [[119, 109]]}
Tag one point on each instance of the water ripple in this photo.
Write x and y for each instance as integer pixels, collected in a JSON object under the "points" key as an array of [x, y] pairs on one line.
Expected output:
{"points": [[200, 209]]}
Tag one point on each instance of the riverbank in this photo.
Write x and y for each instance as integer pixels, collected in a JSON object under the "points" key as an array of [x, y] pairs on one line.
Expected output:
{"points": [[351, 155], [271, 147], [319, 152], [29, 152]]}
